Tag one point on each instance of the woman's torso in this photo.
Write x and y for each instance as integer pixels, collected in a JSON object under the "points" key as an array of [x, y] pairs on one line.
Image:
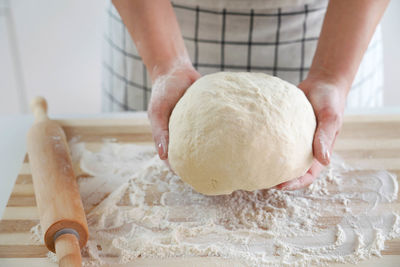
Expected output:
{"points": [[280, 41]]}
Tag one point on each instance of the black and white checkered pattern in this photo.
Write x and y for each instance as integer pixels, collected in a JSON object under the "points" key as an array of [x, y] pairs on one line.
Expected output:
{"points": [[279, 42]]}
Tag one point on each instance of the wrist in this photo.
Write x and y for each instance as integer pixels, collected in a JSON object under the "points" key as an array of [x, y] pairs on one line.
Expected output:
{"points": [[181, 65], [325, 76], [162, 66], [324, 91]]}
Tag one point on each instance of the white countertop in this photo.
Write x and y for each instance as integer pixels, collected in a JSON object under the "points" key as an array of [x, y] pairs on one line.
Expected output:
{"points": [[13, 142]]}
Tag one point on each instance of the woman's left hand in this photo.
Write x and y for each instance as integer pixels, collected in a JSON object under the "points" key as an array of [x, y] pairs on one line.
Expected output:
{"points": [[328, 101]]}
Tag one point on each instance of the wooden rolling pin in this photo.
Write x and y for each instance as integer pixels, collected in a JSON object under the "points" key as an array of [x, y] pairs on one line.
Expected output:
{"points": [[62, 217]]}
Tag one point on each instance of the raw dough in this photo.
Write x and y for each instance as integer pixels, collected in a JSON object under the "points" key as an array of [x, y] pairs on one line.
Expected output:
{"points": [[245, 131]]}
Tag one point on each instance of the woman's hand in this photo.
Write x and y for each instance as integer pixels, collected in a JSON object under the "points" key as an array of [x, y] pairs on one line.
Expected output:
{"points": [[328, 101], [343, 40], [167, 89]]}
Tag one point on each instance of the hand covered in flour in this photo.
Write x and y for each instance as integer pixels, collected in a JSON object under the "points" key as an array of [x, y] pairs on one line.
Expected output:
{"points": [[168, 88], [328, 101]]}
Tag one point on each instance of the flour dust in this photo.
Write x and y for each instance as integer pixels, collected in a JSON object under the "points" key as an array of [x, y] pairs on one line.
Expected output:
{"points": [[136, 207]]}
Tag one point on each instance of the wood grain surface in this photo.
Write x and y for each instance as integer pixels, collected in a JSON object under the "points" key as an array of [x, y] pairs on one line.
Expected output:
{"points": [[370, 142]]}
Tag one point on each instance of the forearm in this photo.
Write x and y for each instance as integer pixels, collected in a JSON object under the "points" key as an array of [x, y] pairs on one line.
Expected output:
{"points": [[155, 31], [347, 30]]}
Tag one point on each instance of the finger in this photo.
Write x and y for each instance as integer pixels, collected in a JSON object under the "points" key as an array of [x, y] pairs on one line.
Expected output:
{"points": [[305, 180], [324, 137], [159, 125], [161, 139]]}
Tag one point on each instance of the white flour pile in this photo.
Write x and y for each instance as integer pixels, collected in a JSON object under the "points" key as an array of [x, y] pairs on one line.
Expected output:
{"points": [[345, 216]]}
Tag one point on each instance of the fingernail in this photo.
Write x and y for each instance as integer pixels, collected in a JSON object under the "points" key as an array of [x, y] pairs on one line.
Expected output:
{"points": [[325, 152], [327, 156], [160, 150], [163, 147], [323, 148]]}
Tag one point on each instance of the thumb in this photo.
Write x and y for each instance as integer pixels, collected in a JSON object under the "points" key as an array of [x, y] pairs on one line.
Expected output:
{"points": [[324, 138], [161, 138], [159, 128]]}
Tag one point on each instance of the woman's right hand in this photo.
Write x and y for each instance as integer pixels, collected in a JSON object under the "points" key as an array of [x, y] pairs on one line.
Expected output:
{"points": [[168, 88]]}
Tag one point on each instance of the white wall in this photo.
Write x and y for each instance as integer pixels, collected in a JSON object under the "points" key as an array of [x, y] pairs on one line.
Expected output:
{"points": [[8, 94], [391, 59], [60, 43], [60, 50]]}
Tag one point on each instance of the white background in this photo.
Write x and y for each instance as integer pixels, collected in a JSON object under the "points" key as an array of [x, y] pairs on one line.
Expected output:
{"points": [[59, 43]]}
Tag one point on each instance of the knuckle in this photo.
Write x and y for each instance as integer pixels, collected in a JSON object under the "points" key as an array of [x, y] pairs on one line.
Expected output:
{"points": [[151, 111], [156, 108], [158, 119], [330, 115]]}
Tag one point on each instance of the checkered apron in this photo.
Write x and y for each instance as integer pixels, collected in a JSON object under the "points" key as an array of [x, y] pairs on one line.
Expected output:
{"points": [[278, 41]]}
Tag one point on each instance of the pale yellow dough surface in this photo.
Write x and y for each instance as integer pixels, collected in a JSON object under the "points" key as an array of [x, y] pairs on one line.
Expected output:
{"points": [[245, 131]]}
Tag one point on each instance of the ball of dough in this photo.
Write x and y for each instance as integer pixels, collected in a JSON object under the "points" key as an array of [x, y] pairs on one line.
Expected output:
{"points": [[246, 131]]}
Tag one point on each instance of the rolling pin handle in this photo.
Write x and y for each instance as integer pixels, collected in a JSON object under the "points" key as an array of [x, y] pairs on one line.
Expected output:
{"points": [[67, 249], [39, 109]]}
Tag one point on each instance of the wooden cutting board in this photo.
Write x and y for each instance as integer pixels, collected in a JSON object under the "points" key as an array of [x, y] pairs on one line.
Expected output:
{"points": [[371, 142]]}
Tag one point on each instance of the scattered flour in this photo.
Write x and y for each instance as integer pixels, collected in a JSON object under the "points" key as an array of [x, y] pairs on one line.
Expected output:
{"points": [[136, 207]]}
